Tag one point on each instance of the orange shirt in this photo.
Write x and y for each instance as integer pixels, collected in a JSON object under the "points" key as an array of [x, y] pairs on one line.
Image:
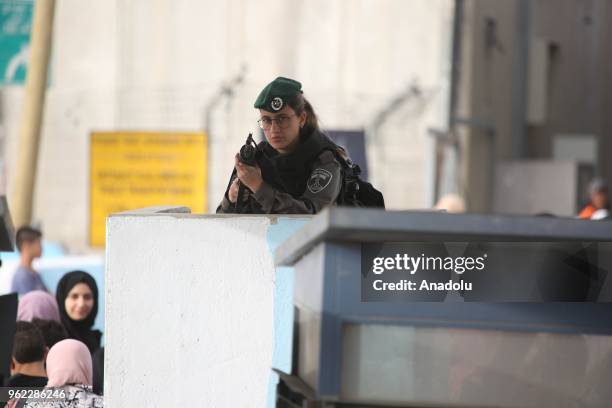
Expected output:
{"points": [[587, 212]]}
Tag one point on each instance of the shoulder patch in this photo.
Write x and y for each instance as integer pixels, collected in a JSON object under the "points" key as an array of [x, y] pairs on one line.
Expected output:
{"points": [[319, 179]]}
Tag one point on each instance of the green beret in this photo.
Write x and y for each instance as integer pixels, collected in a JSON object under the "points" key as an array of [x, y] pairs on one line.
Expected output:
{"points": [[277, 93]]}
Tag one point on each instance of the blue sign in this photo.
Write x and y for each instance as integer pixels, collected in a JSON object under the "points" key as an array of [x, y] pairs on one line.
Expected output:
{"points": [[15, 27]]}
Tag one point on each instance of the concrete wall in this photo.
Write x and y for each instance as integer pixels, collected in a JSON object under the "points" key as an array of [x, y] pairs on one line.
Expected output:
{"points": [[485, 83], [80, 98], [578, 98], [532, 187], [573, 84], [158, 64], [196, 314]]}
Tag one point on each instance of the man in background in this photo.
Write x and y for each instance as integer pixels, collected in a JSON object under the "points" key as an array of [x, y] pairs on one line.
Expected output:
{"points": [[29, 245], [598, 205]]}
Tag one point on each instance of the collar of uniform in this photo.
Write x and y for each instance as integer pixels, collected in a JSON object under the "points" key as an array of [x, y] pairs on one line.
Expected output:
{"points": [[307, 150]]}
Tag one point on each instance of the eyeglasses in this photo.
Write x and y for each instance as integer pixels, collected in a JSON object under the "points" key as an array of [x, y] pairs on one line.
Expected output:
{"points": [[282, 121]]}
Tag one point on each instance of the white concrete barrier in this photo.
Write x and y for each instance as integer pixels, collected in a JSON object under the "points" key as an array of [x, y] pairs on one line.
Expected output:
{"points": [[190, 309]]}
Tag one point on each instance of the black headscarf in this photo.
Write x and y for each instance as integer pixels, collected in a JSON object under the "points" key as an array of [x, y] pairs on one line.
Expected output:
{"points": [[79, 329]]}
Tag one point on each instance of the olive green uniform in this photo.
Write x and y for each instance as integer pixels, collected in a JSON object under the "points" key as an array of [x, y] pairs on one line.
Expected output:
{"points": [[301, 182]]}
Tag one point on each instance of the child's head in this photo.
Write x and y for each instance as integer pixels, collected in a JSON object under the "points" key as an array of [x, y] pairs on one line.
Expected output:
{"points": [[28, 346]]}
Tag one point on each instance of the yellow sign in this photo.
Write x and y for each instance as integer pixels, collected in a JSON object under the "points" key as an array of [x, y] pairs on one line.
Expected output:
{"points": [[131, 170]]}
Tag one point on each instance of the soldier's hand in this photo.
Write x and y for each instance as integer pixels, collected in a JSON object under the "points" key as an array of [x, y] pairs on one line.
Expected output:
{"points": [[249, 175], [232, 194]]}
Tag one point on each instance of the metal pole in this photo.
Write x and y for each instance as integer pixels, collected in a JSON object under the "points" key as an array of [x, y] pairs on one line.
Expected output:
{"points": [[29, 135], [455, 62], [519, 92], [449, 182]]}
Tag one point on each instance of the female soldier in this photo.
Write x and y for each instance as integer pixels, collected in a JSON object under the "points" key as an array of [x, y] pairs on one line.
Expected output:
{"points": [[296, 171]]}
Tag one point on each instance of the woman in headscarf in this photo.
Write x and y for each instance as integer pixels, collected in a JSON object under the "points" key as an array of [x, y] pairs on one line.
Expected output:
{"points": [[69, 370], [37, 304], [77, 298]]}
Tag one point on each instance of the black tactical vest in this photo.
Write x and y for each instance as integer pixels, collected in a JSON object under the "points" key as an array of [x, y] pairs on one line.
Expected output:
{"points": [[290, 172]]}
